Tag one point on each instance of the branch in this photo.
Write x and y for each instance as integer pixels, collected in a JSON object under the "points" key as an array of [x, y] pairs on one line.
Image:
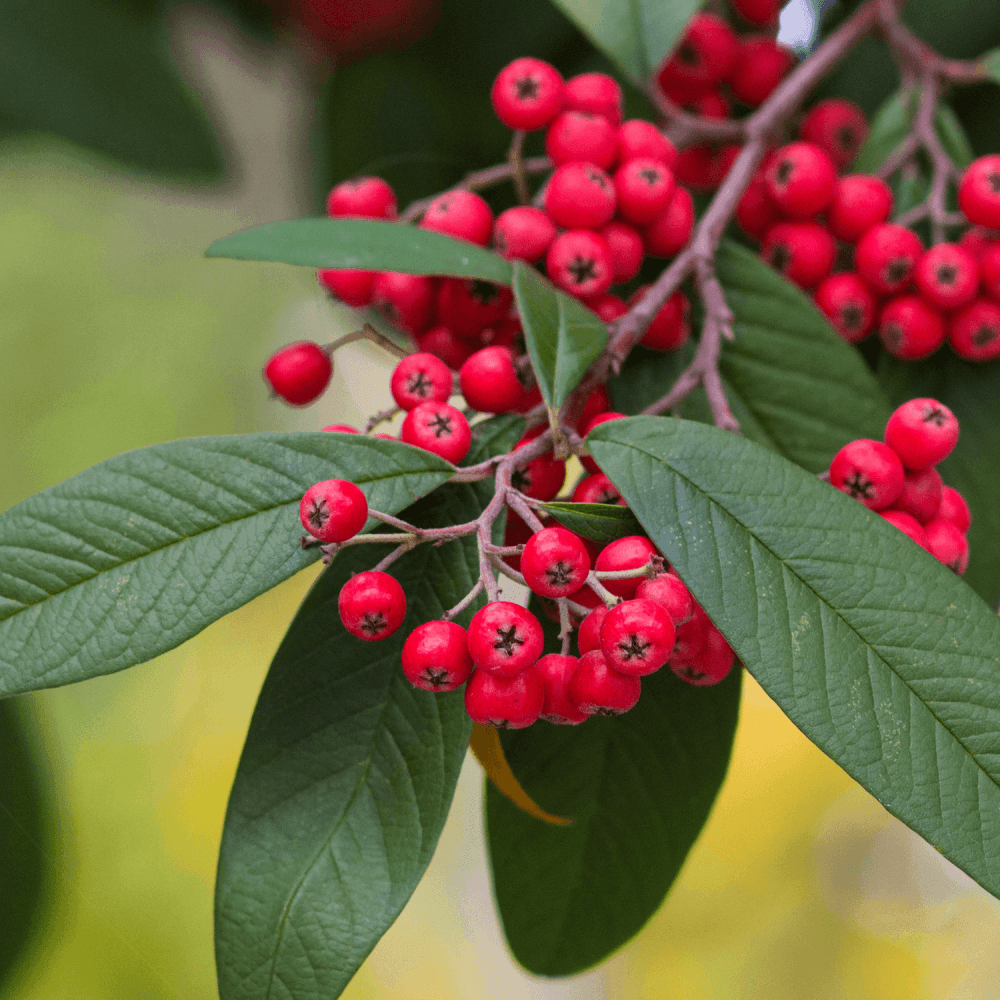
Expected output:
{"points": [[919, 56]]}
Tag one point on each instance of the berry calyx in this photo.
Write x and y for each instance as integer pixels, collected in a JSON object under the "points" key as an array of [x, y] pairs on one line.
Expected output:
{"points": [[579, 263], [886, 257], [975, 331], [637, 637], [299, 373], [580, 196], [597, 689], [670, 593], [556, 672], [527, 94], [490, 381], [869, 471], [801, 180], [362, 197], [420, 378], [848, 304], [922, 432], [462, 214], [372, 605], [630, 552], [504, 638], [947, 276], [803, 252], [438, 428], [555, 563], [436, 657], [333, 510], [979, 192], [911, 329], [505, 702], [644, 187]]}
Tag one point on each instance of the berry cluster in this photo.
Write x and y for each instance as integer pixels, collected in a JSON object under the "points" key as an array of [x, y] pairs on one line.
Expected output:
{"points": [[898, 479]]}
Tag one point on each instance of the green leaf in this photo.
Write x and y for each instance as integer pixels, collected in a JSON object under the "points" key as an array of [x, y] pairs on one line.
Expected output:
{"points": [[141, 552], [991, 64], [889, 128], [563, 336], [971, 390], [638, 787], [953, 137], [603, 522], [884, 658], [636, 36], [347, 774], [99, 75], [363, 244]]}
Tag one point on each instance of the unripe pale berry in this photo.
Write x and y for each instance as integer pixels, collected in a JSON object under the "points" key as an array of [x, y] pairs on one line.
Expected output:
{"points": [[761, 65], [630, 552], [490, 383], [596, 489], [597, 689], [556, 672], [555, 563], [580, 196], [372, 605], [860, 202], [947, 276], [954, 509], [333, 510], [362, 197], [921, 496], [911, 329], [436, 657], [975, 331], [848, 304], [462, 214], [640, 138], [625, 248], [595, 93], [442, 342], [406, 300], [578, 262], [420, 378], [669, 233], [523, 233], [907, 524], [438, 428], [644, 188], [869, 471], [804, 252], [299, 372], [504, 638], [670, 593], [712, 663], [801, 180], [353, 288], [979, 192], [886, 257], [839, 127], [527, 94], [922, 432], [582, 137], [948, 545], [588, 637], [505, 702]]}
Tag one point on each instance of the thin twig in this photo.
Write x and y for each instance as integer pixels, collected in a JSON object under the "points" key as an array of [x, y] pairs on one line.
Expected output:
{"points": [[454, 612], [381, 416], [515, 158]]}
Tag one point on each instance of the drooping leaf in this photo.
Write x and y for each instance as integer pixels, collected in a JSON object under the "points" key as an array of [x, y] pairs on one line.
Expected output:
{"points": [[364, 244], [636, 36], [98, 74], [563, 336], [879, 654], [346, 777], [139, 553], [889, 128], [603, 522], [639, 788]]}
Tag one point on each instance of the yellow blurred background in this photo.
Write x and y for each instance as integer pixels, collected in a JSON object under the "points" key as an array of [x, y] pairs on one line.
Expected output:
{"points": [[115, 332]]}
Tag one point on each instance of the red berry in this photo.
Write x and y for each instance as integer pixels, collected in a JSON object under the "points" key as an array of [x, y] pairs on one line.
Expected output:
{"points": [[860, 202], [637, 637], [869, 471], [505, 638], [597, 402], [910, 329], [406, 300], [706, 54], [555, 563], [585, 460], [978, 242], [507, 333], [608, 307], [671, 326], [755, 212], [467, 305], [595, 93], [442, 343], [691, 635], [438, 428], [342, 429], [299, 372], [353, 288], [804, 252], [462, 214], [579, 136], [989, 272], [630, 552], [759, 12], [579, 263], [596, 489], [975, 331], [420, 378], [670, 231], [505, 702], [922, 432], [542, 478], [761, 65], [527, 94], [839, 127], [703, 167], [640, 138], [921, 496], [490, 382], [597, 689], [523, 233], [362, 197], [907, 524], [626, 250], [644, 187], [954, 509], [849, 306], [372, 605], [886, 257], [801, 180], [947, 276], [436, 656], [948, 545], [556, 672], [671, 594], [333, 510], [979, 192], [580, 196], [588, 637], [711, 664]]}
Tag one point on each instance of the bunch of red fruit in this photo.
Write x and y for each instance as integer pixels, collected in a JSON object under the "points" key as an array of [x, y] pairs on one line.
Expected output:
{"points": [[898, 479]]}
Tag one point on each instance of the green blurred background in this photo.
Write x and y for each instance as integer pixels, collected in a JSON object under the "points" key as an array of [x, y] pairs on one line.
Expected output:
{"points": [[115, 333]]}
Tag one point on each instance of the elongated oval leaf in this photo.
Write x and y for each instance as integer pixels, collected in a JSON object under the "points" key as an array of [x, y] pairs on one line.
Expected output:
{"points": [[883, 658], [141, 552], [346, 776], [889, 127], [563, 336], [603, 522], [637, 36], [364, 244]]}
